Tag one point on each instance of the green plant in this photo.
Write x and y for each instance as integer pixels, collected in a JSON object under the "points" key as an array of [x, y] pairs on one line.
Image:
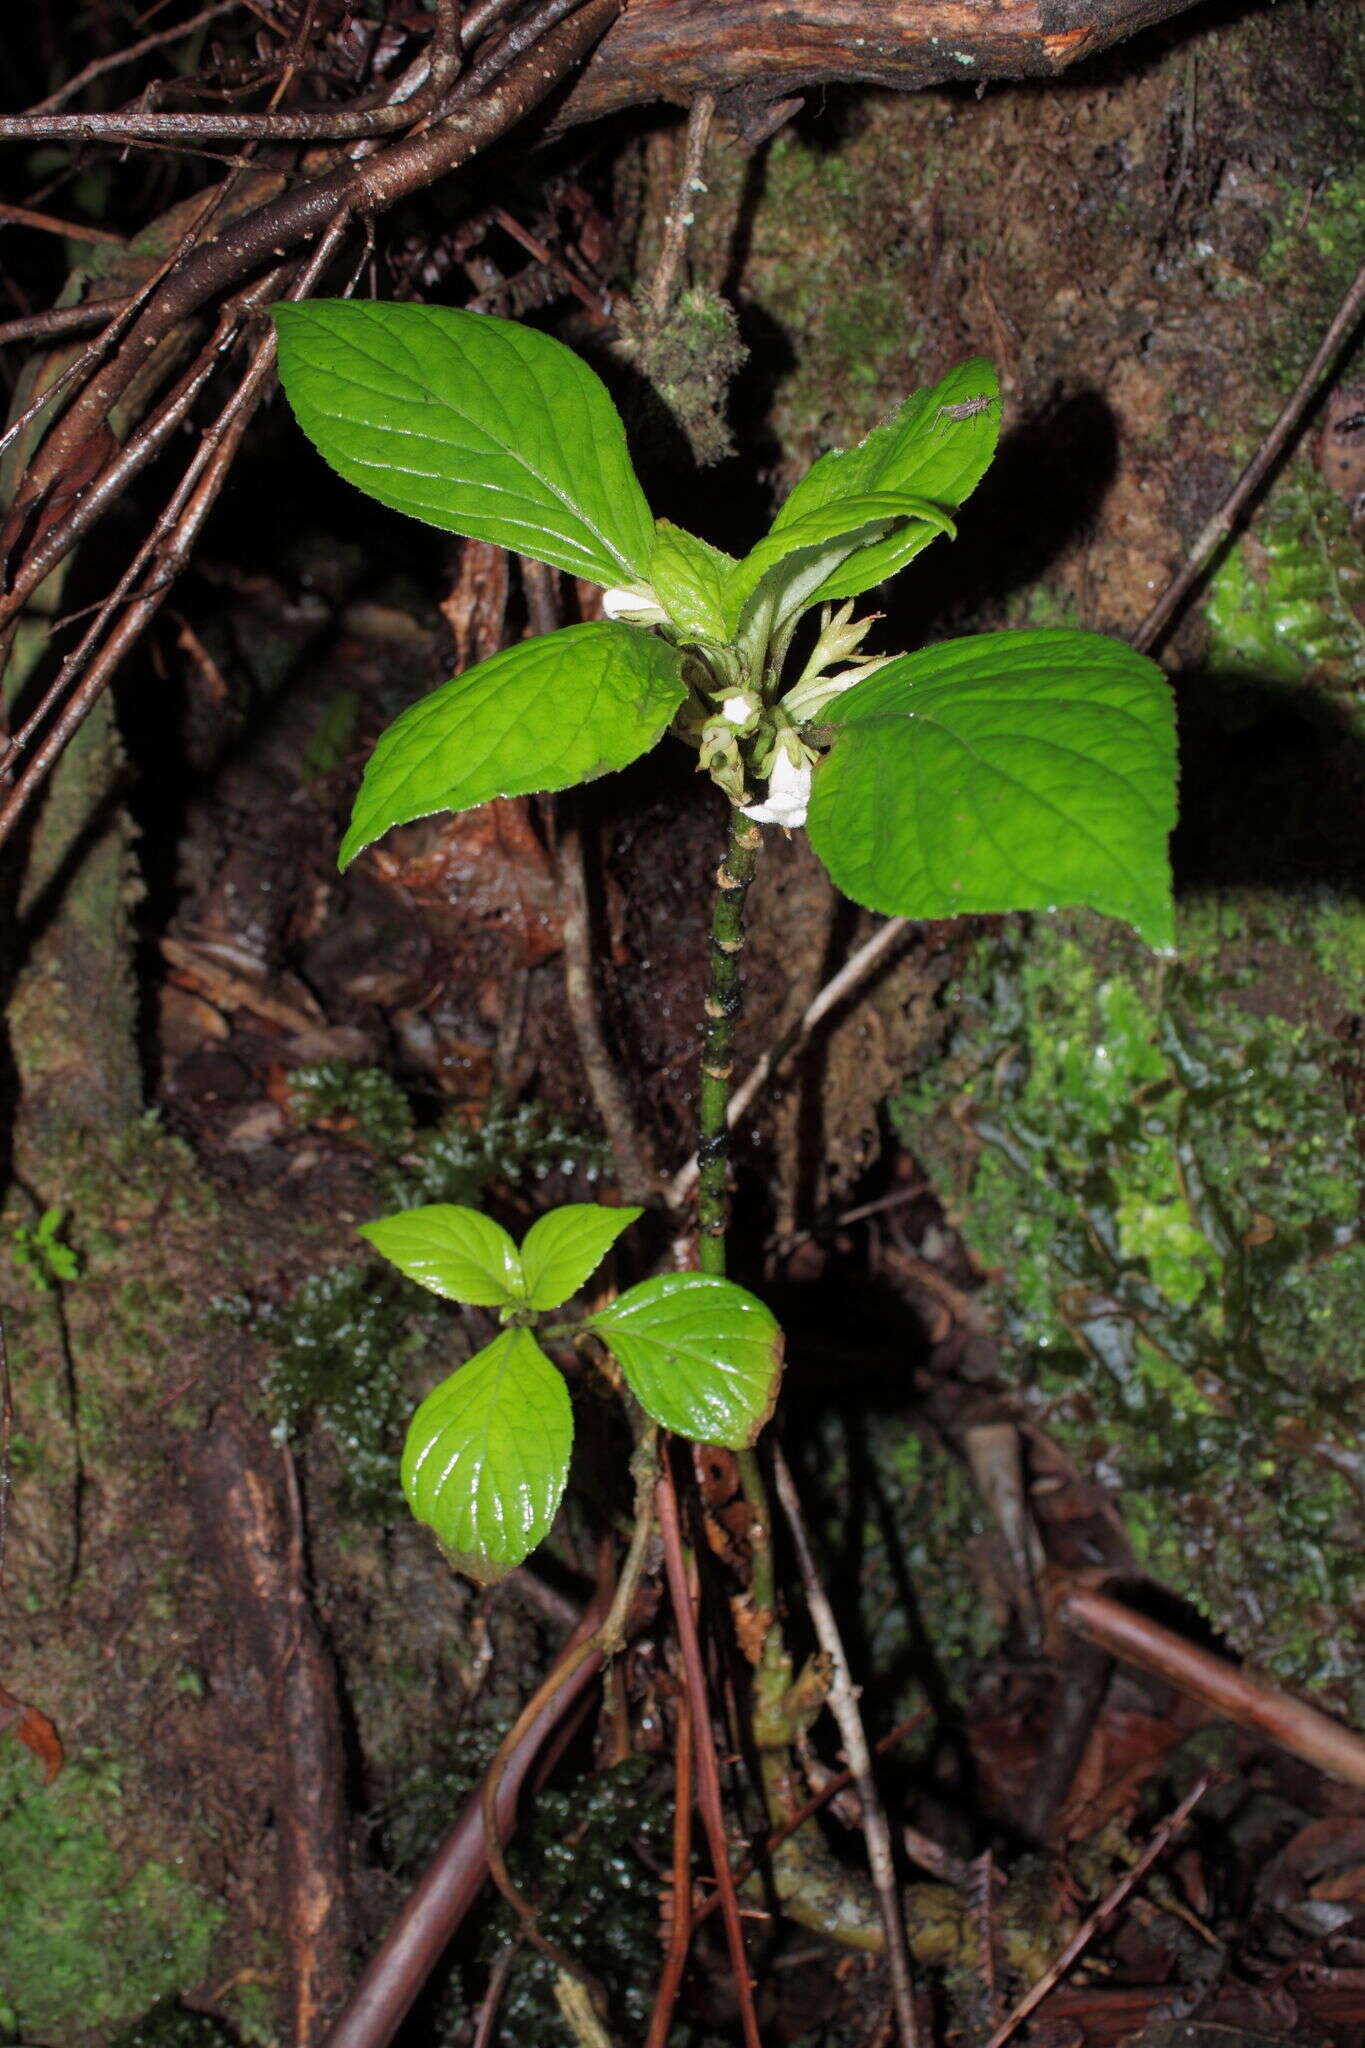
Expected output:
{"points": [[39, 1253], [1009, 771]]}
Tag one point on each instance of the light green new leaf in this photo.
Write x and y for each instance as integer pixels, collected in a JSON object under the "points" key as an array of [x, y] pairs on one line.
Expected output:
{"points": [[795, 559], [455, 1252], [934, 447], [487, 1455], [561, 1249], [689, 576], [475, 424], [542, 715], [1012, 771], [701, 1355]]}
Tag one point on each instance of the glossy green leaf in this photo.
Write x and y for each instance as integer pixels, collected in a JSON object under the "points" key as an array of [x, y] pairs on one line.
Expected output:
{"points": [[542, 715], [487, 1455], [561, 1249], [701, 1355], [1012, 771], [475, 424], [689, 576], [795, 559], [455, 1252], [932, 448]]}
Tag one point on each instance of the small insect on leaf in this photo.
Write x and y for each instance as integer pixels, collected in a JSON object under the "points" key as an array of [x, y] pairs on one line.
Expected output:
{"points": [[965, 409]]}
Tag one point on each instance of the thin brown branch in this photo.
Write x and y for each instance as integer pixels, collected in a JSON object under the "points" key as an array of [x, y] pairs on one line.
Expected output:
{"points": [[590, 300], [854, 970], [62, 320], [321, 124], [681, 213], [1232, 1694], [48, 224], [485, 2032], [162, 556], [1108, 1906], [633, 1168], [1153, 628], [843, 1703], [708, 1771], [99, 65], [680, 1924]]}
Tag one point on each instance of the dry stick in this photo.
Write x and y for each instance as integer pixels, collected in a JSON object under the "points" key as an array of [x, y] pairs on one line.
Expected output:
{"points": [[681, 212], [164, 552], [487, 2026], [708, 1771], [62, 320], [680, 1926], [854, 970], [1234, 1695], [323, 124], [1153, 627], [99, 65], [48, 224], [843, 1702], [1086, 1932]]}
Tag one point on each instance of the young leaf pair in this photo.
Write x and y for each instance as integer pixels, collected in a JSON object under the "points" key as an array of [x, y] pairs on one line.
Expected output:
{"points": [[487, 1453], [1008, 771]]}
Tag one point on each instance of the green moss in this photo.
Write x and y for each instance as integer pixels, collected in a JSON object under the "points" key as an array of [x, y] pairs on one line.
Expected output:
{"points": [[1167, 1194], [1284, 604], [171, 2026], [1308, 265], [87, 1939]]}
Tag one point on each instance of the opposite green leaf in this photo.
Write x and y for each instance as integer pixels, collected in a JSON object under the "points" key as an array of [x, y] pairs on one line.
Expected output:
{"points": [[561, 1249], [456, 1252], [475, 424], [487, 1456], [1012, 771], [702, 1356], [542, 715], [822, 538], [689, 577], [938, 446]]}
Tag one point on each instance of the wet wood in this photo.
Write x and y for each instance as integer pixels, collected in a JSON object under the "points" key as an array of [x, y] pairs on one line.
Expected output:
{"points": [[760, 51], [248, 1504]]}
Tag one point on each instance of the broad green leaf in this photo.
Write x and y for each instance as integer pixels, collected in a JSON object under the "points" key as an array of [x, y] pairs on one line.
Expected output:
{"points": [[1012, 771], [543, 715], [797, 557], [475, 424], [931, 448], [487, 1455], [701, 1355], [689, 576], [455, 1252], [560, 1250]]}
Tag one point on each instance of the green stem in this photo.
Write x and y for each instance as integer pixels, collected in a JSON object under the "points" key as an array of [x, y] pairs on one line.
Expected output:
{"points": [[724, 994]]}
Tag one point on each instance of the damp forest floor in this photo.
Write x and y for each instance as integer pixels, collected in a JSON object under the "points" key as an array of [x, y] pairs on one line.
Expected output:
{"points": [[1029, 1189]]}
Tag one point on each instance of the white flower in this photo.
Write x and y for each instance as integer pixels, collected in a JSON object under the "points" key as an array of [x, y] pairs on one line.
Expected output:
{"points": [[788, 793], [636, 603]]}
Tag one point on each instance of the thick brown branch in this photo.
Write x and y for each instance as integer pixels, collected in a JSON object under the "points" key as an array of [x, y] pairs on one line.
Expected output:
{"points": [[765, 49]]}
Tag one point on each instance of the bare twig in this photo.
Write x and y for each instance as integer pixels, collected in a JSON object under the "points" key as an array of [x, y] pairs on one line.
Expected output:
{"points": [[680, 1925], [633, 1171], [1234, 1695], [708, 1771], [680, 214], [128, 55], [1109, 1905], [136, 124], [62, 320], [843, 1702], [48, 224], [486, 2030], [854, 970], [1153, 627]]}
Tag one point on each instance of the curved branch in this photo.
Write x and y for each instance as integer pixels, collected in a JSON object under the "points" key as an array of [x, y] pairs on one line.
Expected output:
{"points": [[763, 49]]}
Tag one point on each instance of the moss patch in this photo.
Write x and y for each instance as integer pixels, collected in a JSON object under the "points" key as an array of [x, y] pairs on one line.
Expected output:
{"points": [[89, 1937]]}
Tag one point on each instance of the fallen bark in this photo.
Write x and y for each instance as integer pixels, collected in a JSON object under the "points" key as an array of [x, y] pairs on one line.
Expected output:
{"points": [[763, 50]]}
